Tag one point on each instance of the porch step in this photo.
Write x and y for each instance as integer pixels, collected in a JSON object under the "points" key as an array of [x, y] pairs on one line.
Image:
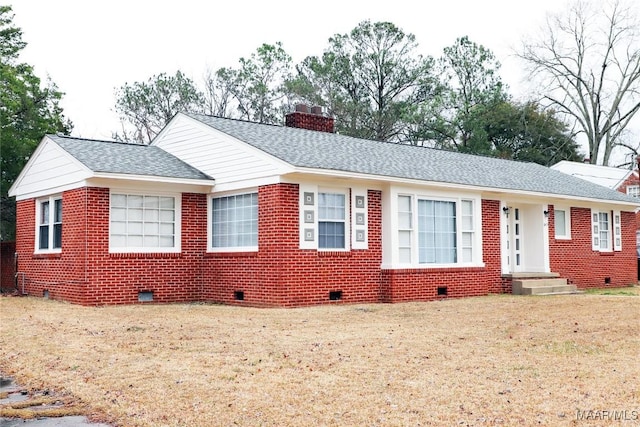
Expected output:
{"points": [[542, 286]]}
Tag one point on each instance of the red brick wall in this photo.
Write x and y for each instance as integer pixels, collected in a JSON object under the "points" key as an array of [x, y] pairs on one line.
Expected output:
{"points": [[62, 275], [282, 274], [576, 261], [279, 274], [86, 273], [118, 278], [422, 284], [309, 121], [633, 179]]}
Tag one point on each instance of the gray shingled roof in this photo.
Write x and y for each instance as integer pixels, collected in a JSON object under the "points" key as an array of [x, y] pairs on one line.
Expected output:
{"points": [[126, 158], [322, 150]]}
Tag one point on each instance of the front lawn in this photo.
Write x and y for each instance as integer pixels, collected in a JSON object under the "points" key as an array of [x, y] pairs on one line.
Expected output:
{"points": [[492, 360]]}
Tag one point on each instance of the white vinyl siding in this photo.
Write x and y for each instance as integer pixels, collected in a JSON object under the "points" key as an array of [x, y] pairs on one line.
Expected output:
{"points": [[144, 223], [215, 153], [51, 170]]}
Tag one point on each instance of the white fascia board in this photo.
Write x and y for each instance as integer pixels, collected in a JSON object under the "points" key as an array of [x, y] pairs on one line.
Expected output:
{"points": [[247, 183], [51, 190], [499, 192], [209, 183]]}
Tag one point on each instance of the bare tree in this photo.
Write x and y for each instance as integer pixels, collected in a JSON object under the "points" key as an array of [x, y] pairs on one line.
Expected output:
{"points": [[218, 95], [588, 63]]}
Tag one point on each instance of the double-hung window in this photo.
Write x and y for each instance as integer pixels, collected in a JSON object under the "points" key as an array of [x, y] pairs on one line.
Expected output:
{"points": [[441, 232], [562, 221], [49, 224], [332, 220], [633, 190], [234, 222], [606, 230], [144, 223]]}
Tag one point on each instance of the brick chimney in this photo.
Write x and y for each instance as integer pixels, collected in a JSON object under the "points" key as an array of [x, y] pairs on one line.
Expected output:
{"points": [[309, 118]]}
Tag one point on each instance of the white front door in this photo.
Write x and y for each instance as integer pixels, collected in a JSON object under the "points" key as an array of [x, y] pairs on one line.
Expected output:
{"points": [[525, 243]]}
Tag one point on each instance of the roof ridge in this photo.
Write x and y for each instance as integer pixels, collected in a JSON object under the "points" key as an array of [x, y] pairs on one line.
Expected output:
{"points": [[57, 135], [444, 150]]}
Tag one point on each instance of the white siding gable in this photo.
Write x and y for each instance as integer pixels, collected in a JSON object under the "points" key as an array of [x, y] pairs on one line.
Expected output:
{"points": [[49, 170], [217, 154]]}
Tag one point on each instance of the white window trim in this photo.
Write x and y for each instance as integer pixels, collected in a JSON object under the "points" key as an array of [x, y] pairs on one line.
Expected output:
{"points": [[177, 247], [51, 199], [636, 190], [210, 247], [567, 222], [595, 238], [415, 196], [347, 218]]}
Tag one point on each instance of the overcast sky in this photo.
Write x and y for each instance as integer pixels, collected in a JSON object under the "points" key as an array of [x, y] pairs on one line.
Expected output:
{"points": [[89, 48]]}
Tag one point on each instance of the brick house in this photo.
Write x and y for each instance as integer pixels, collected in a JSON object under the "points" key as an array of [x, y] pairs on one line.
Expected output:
{"points": [[626, 181], [234, 212]]}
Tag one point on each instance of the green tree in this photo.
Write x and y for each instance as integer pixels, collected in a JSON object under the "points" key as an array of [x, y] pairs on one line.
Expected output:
{"points": [[469, 84], [28, 111], [523, 132], [370, 80], [587, 63], [148, 106], [256, 86]]}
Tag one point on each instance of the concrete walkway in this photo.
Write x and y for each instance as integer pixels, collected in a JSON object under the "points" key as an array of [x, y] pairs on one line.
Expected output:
{"points": [[16, 394]]}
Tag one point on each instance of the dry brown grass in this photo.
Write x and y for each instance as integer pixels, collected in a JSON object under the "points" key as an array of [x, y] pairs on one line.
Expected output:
{"points": [[477, 361]]}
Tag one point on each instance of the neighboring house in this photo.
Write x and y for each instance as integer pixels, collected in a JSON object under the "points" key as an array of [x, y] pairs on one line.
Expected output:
{"points": [[235, 212], [626, 181]]}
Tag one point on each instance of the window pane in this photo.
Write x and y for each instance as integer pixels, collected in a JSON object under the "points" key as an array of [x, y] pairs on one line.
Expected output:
{"points": [[134, 201], [560, 220], [57, 236], [235, 221], [136, 221], [405, 255], [118, 227], [404, 239], [44, 213], [57, 210], [436, 232], [118, 200], [44, 237], [331, 235], [118, 214], [118, 241]]}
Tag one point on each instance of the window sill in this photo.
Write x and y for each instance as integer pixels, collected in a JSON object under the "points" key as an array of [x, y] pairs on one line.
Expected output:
{"points": [[434, 267], [145, 255], [337, 253], [607, 253], [230, 254], [52, 255]]}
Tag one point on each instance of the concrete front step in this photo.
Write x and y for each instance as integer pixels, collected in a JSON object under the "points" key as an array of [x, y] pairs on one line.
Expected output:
{"points": [[542, 286]]}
